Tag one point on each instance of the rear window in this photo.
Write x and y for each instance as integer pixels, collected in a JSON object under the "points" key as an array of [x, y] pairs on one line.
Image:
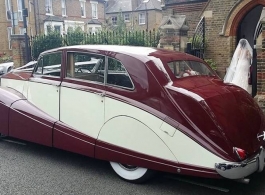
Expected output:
{"points": [[189, 68]]}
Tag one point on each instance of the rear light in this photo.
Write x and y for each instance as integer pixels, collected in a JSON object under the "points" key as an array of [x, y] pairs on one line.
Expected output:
{"points": [[241, 154]]}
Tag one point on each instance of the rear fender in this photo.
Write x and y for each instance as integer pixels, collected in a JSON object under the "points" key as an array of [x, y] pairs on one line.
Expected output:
{"points": [[126, 140]]}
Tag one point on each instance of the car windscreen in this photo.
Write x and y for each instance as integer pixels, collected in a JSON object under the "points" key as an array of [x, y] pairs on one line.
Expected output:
{"points": [[185, 68]]}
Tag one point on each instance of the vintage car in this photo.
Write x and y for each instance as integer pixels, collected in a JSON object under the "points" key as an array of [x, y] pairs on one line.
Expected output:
{"points": [[142, 109]]}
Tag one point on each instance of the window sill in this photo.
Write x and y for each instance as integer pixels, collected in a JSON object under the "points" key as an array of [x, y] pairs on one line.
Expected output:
{"points": [[83, 16], [48, 14]]}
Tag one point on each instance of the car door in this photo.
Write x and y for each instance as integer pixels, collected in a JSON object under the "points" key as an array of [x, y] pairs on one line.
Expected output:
{"points": [[43, 88], [81, 103]]}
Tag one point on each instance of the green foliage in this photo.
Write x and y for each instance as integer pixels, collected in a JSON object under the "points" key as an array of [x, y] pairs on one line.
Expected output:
{"points": [[4, 59], [79, 37], [45, 42], [197, 42], [121, 26], [211, 63], [74, 37]]}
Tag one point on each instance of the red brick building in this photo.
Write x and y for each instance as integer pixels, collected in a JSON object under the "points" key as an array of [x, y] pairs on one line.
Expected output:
{"points": [[44, 15]]}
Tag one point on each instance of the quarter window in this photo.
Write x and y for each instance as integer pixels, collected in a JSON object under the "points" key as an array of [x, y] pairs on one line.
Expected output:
{"points": [[49, 64], [86, 66], [117, 74]]}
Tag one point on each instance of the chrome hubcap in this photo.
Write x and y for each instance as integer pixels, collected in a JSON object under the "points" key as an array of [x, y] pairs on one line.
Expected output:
{"points": [[128, 167]]}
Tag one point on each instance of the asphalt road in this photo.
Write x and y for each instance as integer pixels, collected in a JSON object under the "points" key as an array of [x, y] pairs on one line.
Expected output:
{"points": [[34, 169]]}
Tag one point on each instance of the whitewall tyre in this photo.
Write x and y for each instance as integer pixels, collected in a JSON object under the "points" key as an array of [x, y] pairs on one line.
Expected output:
{"points": [[131, 173]]}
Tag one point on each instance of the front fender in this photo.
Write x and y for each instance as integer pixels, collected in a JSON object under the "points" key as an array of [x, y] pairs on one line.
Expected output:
{"points": [[7, 97]]}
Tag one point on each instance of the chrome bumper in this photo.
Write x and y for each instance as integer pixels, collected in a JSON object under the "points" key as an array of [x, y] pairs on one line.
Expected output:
{"points": [[239, 170]]}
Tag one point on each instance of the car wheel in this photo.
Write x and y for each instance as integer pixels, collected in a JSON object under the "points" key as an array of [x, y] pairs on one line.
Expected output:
{"points": [[132, 173]]}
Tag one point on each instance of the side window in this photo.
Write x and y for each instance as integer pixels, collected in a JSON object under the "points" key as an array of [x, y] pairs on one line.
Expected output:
{"points": [[49, 64], [86, 66], [117, 74]]}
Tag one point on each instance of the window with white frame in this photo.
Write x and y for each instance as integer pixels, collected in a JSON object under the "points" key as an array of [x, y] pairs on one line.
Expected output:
{"points": [[83, 8], [114, 20], [21, 31], [53, 27], [9, 33], [29, 6], [19, 10], [94, 6], [48, 29], [93, 29], [70, 25], [57, 28], [63, 8], [8, 10], [48, 6], [142, 18], [127, 17]]}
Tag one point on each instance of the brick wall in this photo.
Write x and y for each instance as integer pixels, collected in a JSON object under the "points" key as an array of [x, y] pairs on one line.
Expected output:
{"points": [[260, 98], [18, 50], [218, 14], [73, 11], [219, 47], [4, 23]]}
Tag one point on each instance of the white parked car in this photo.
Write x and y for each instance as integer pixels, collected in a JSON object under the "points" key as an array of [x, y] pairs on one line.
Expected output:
{"points": [[6, 67]]}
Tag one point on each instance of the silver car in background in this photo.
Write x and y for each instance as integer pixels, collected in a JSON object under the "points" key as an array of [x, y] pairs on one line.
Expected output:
{"points": [[6, 67]]}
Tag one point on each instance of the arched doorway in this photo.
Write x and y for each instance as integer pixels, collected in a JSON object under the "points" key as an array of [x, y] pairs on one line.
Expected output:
{"points": [[242, 23], [248, 29], [247, 26]]}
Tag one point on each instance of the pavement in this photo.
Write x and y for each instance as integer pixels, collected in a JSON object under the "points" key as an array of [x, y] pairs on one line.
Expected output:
{"points": [[27, 168]]}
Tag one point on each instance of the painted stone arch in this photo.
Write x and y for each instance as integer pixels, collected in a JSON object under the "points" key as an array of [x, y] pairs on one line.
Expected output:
{"points": [[237, 13]]}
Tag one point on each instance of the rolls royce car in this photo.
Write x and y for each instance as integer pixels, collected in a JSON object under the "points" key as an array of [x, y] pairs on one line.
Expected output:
{"points": [[142, 109]]}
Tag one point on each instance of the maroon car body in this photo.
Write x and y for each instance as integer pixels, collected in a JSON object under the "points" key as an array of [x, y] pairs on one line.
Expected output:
{"points": [[221, 118]]}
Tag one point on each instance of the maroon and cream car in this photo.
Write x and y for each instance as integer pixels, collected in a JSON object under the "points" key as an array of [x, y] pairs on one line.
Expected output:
{"points": [[141, 109]]}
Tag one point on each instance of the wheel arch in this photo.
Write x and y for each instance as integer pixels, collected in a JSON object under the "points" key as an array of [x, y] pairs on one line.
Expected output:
{"points": [[143, 144]]}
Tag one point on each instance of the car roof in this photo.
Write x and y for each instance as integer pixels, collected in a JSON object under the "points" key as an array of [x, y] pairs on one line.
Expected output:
{"points": [[134, 51]]}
